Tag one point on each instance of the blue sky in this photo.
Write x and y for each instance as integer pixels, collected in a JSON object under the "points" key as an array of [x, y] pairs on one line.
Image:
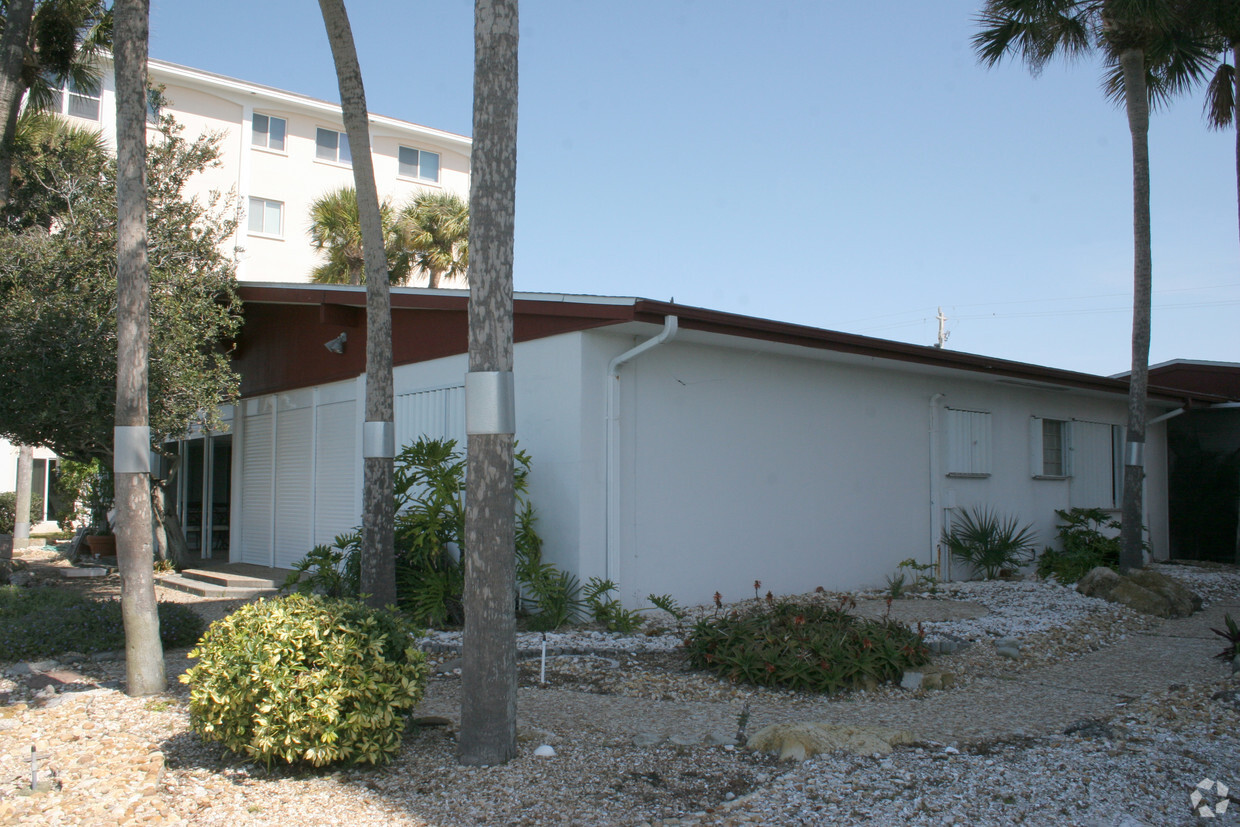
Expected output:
{"points": [[847, 166]]}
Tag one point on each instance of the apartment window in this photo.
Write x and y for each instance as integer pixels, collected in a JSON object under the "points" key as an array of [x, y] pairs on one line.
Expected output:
{"points": [[82, 102], [418, 163], [268, 132], [330, 145], [968, 443], [266, 217]]}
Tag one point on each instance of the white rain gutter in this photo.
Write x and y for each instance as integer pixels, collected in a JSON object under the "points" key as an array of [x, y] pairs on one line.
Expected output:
{"points": [[936, 512], [612, 476], [1172, 414]]}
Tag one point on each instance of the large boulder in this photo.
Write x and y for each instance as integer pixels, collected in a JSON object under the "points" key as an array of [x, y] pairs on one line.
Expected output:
{"points": [[1098, 582], [1183, 601], [1144, 590], [796, 742]]}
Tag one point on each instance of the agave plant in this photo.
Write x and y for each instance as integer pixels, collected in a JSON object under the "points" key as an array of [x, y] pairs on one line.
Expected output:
{"points": [[989, 541]]}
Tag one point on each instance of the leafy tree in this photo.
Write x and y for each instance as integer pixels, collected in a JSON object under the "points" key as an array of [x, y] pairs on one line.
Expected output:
{"points": [[434, 229], [336, 229], [378, 567], [489, 673], [1151, 52], [58, 297]]}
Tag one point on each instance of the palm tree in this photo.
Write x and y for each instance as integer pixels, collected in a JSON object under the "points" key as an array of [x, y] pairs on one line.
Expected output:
{"points": [[144, 654], [378, 575], [1151, 55], [1223, 90], [434, 229], [43, 45], [489, 647], [336, 228]]}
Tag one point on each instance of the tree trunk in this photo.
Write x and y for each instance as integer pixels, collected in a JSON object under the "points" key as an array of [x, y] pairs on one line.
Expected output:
{"points": [[1235, 124], [432, 278], [378, 569], [21, 508], [170, 540], [143, 651], [1137, 103], [489, 669], [12, 59]]}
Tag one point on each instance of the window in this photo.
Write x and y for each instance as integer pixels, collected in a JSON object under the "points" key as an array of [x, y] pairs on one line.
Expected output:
{"points": [[268, 132], [266, 217], [968, 443], [83, 102], [418, 163], [1054, 449], [331, 145]]}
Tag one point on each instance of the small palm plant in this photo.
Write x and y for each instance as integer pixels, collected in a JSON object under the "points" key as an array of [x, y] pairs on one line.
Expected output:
{"points": [[989, 541]]}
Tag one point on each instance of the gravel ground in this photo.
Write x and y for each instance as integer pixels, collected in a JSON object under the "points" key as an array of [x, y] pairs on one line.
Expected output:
{"points": [[1150, 714]]}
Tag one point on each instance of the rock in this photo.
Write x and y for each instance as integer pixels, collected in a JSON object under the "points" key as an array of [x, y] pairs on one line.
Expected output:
{"points": [[720, 739], [430, 721], [685, 740], [449, 667], [800, 741], [1098, 582], [21, 578], [1087, 728], [647, 739], [1140, 599], [1183, 602], [912, 680], [1010, 652], [1144, 590], [545, 751]]}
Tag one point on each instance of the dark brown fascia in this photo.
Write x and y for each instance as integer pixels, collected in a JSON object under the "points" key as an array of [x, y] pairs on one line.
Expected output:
{"points": [[731, 324]]}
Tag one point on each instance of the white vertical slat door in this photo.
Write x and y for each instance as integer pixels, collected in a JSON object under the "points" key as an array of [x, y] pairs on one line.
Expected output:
{"points": [[335, 470], [294, 477], [436, 414], [257, 480]]}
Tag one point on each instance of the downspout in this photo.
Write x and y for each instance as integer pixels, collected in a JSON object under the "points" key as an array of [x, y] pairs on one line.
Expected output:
{"points": [[612, 477], [936, 513]]}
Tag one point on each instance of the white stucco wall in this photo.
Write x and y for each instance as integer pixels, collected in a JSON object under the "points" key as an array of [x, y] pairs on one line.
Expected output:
{"points": [[740, 465]]}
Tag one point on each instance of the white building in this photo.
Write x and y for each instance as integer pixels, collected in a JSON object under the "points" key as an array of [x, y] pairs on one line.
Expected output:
{"points": [[730, 450], [279, 152]]}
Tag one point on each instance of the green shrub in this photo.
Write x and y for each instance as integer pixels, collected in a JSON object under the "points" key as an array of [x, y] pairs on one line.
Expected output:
{"points": [[306, 679], [8, 510], [430, 533], [1083, 545], [1231, 634], [607, 610], [804, 646], [989, 542], [44, 622]]}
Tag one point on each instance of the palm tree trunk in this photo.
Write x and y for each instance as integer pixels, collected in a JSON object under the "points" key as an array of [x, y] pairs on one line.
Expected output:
{"points": [[12, 58], [1136, 101], [432, 278], [143, 651], [489, 673], [21, 508], [378, 569]]}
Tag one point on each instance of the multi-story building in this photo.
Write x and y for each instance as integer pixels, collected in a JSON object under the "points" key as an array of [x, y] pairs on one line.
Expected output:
{"points": [[279, 151]]}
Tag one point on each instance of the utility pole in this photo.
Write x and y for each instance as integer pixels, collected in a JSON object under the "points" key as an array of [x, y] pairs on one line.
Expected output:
{"points": [[943, 334]]}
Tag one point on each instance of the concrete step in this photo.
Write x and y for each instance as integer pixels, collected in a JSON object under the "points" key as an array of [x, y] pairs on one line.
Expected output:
{"points": [[229, 579], [203, 588]]}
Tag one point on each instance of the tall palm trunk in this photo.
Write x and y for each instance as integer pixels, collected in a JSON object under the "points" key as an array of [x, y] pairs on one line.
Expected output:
{"points": [[1235, 123], [21, 508], [12, 58], [378, 574], [1132, 61], [144, 655], [489, 673]]}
